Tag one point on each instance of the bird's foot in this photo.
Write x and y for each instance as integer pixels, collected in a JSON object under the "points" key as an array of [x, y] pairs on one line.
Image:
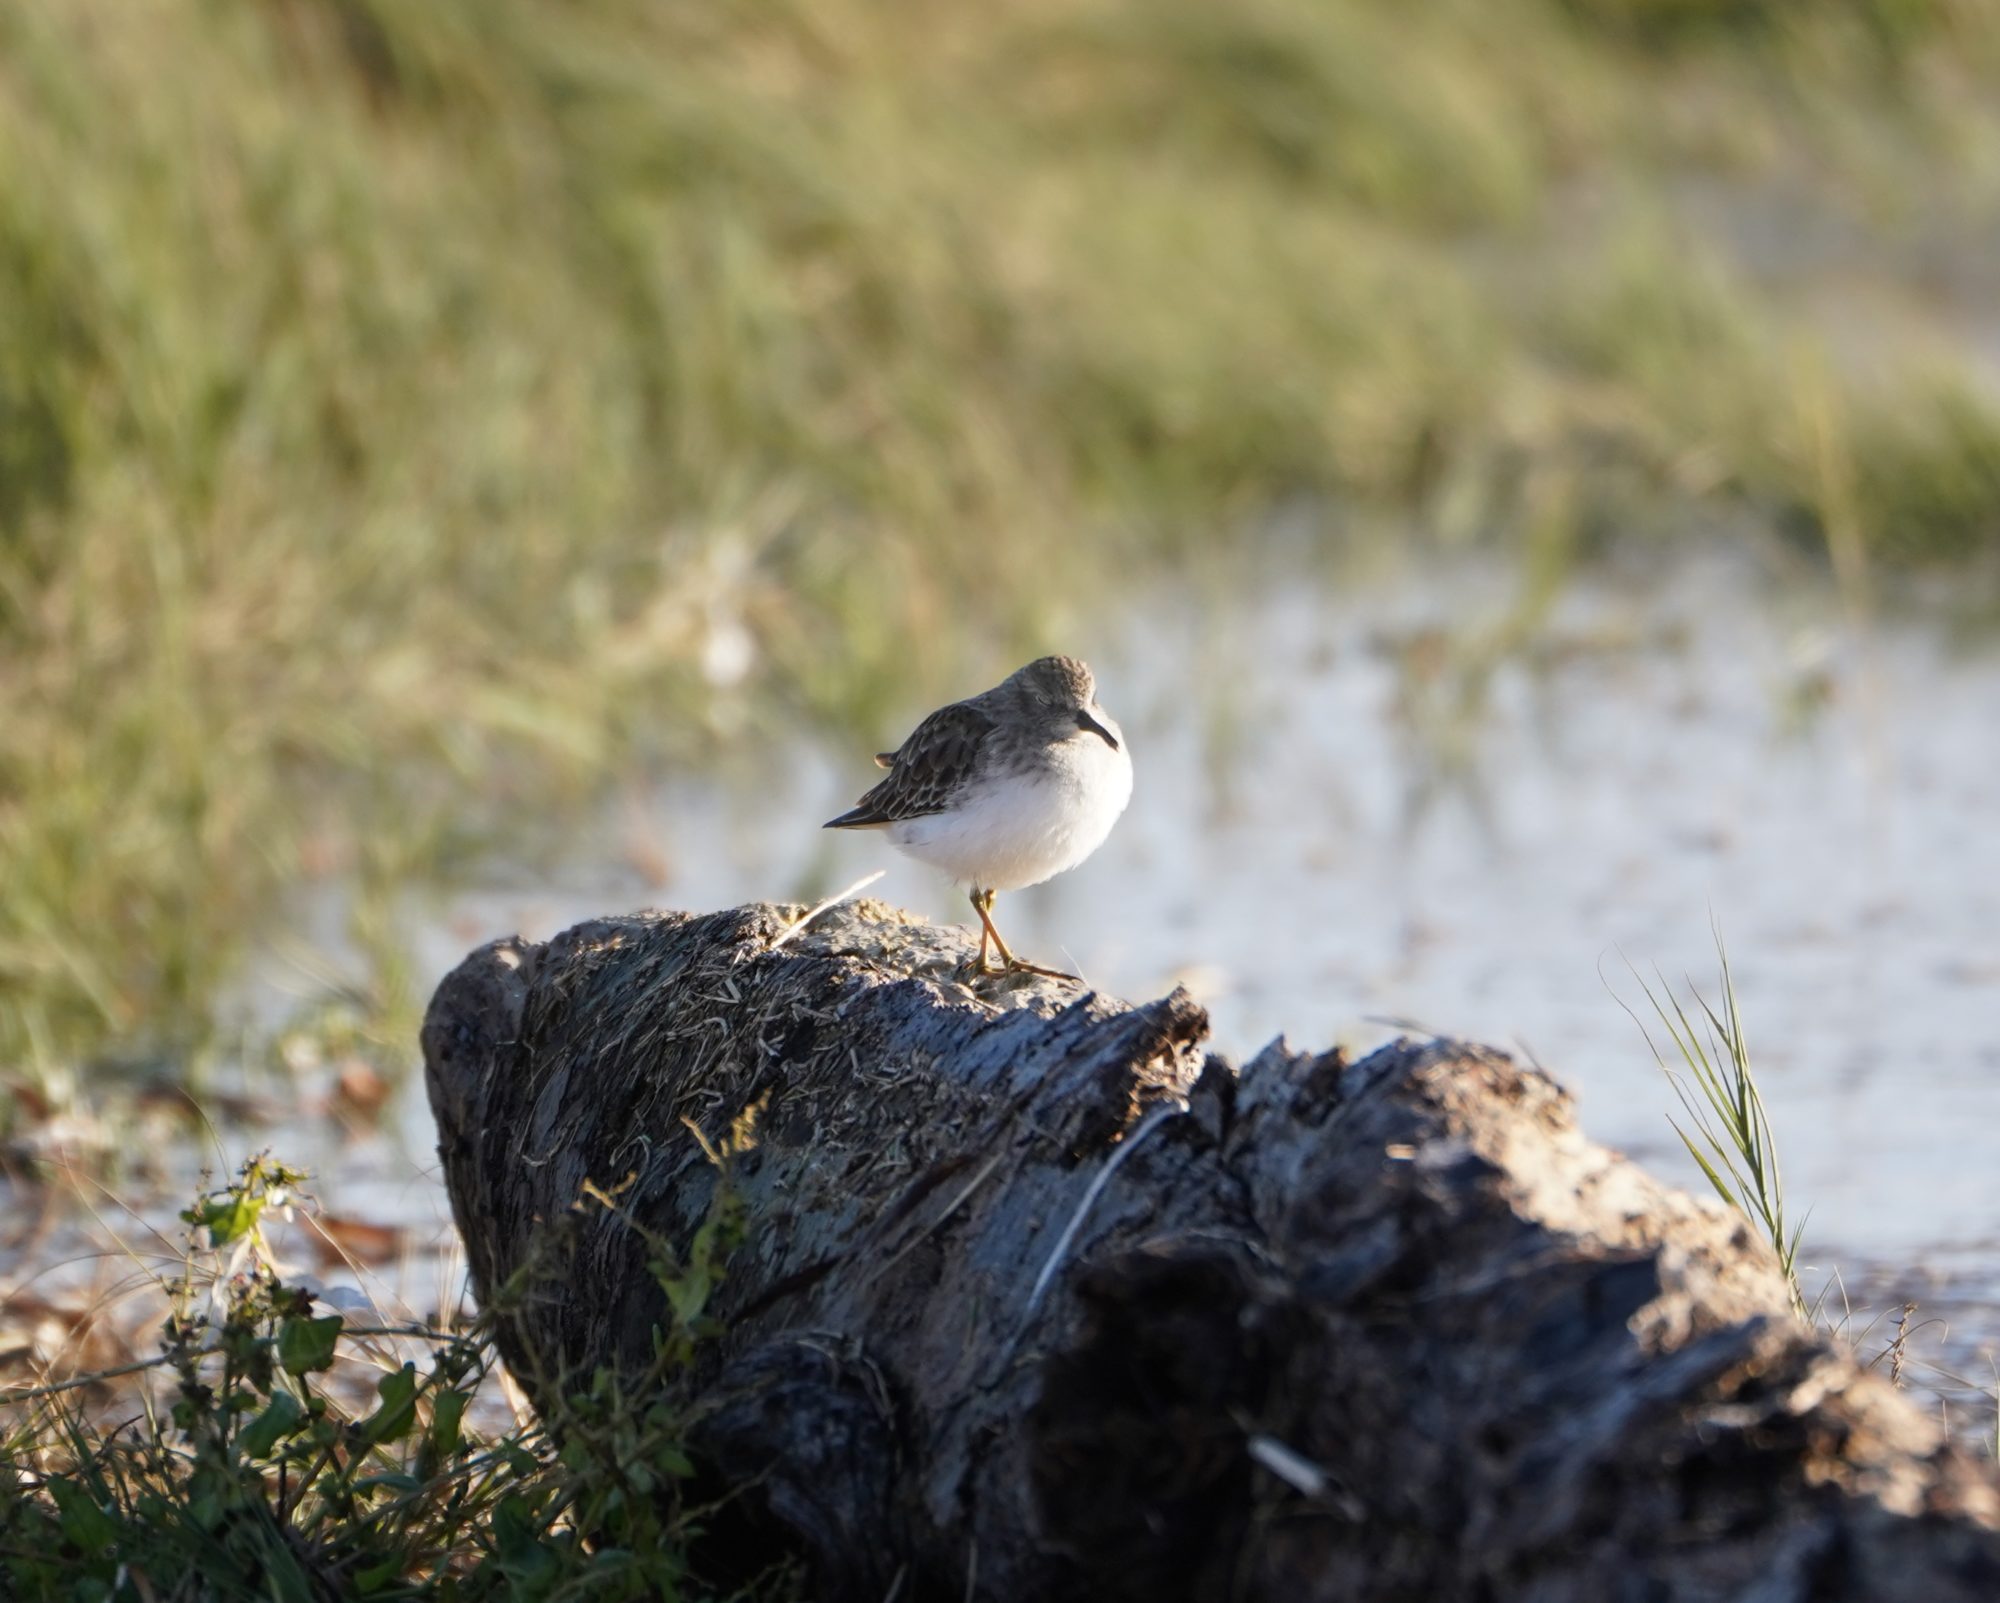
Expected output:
{"points": [[979, 968]]}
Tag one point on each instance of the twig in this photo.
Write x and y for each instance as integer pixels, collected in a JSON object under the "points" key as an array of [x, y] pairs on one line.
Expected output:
{"points": [[1301, 1474], [1293, 1468], [931, 1229], [1395, 1021], [832, 901], [1159, 1115], [91, 1379], [1896, 1346]]}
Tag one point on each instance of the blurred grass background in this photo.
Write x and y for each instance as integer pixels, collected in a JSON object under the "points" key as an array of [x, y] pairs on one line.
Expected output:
{"points": [[413, 414]]}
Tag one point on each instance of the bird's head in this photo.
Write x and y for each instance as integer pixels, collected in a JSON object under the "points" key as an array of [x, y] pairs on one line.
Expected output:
{"points": [[1063, 693]]}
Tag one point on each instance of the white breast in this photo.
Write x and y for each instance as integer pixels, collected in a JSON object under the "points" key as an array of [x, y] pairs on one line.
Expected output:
{"points": [[1022, 829]]}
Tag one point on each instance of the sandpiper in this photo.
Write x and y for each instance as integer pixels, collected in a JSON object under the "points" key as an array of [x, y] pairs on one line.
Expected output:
{"points": [[1005, 789]]}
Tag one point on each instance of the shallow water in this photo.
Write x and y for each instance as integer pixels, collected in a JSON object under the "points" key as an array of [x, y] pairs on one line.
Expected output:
{"points": [[1340, 820], [1323, 837], [1647, 776]]}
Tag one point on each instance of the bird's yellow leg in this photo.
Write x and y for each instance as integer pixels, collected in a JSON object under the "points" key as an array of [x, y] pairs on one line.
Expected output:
{"points": [[990, 930], [985, 930], [1010, 963]]}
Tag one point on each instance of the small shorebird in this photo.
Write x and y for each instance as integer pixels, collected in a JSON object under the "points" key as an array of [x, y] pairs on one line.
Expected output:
{"points": [[1005, 789]]}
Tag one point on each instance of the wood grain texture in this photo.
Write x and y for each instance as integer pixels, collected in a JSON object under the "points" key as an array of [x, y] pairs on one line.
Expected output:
{"points": [[1327, 1330]]}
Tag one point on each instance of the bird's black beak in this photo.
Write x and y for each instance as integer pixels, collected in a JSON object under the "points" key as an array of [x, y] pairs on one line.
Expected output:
{"points": [[1085, 721]]}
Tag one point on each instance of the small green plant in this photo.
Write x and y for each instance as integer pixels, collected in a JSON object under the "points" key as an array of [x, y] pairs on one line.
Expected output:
{"points": [[264, 1470], [1728, 1132]]}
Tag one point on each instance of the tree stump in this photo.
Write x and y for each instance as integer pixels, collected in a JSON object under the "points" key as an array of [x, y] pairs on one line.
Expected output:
{"points": [[1039, 1300]]}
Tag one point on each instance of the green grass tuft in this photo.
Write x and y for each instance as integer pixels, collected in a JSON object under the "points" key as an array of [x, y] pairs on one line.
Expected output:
{"points": [[1728, 1133]]}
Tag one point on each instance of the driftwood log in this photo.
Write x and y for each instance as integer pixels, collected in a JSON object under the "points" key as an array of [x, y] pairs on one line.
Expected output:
{"points": [[1039, 1300]]}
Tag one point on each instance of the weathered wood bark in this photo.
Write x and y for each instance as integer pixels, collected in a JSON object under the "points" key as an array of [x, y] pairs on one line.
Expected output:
{"points": [[1038, 1301]]}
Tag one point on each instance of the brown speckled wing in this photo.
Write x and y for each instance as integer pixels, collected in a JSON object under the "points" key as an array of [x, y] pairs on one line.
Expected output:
{"points": [[927, 771]]}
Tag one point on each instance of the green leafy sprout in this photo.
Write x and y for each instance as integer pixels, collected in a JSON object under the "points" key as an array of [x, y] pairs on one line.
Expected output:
{"points": [[1726, 1130], [259, 1467]]}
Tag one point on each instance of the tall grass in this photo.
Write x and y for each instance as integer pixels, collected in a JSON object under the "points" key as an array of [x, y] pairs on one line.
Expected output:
{"points": [[1727, 1130], [412, 414]]}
